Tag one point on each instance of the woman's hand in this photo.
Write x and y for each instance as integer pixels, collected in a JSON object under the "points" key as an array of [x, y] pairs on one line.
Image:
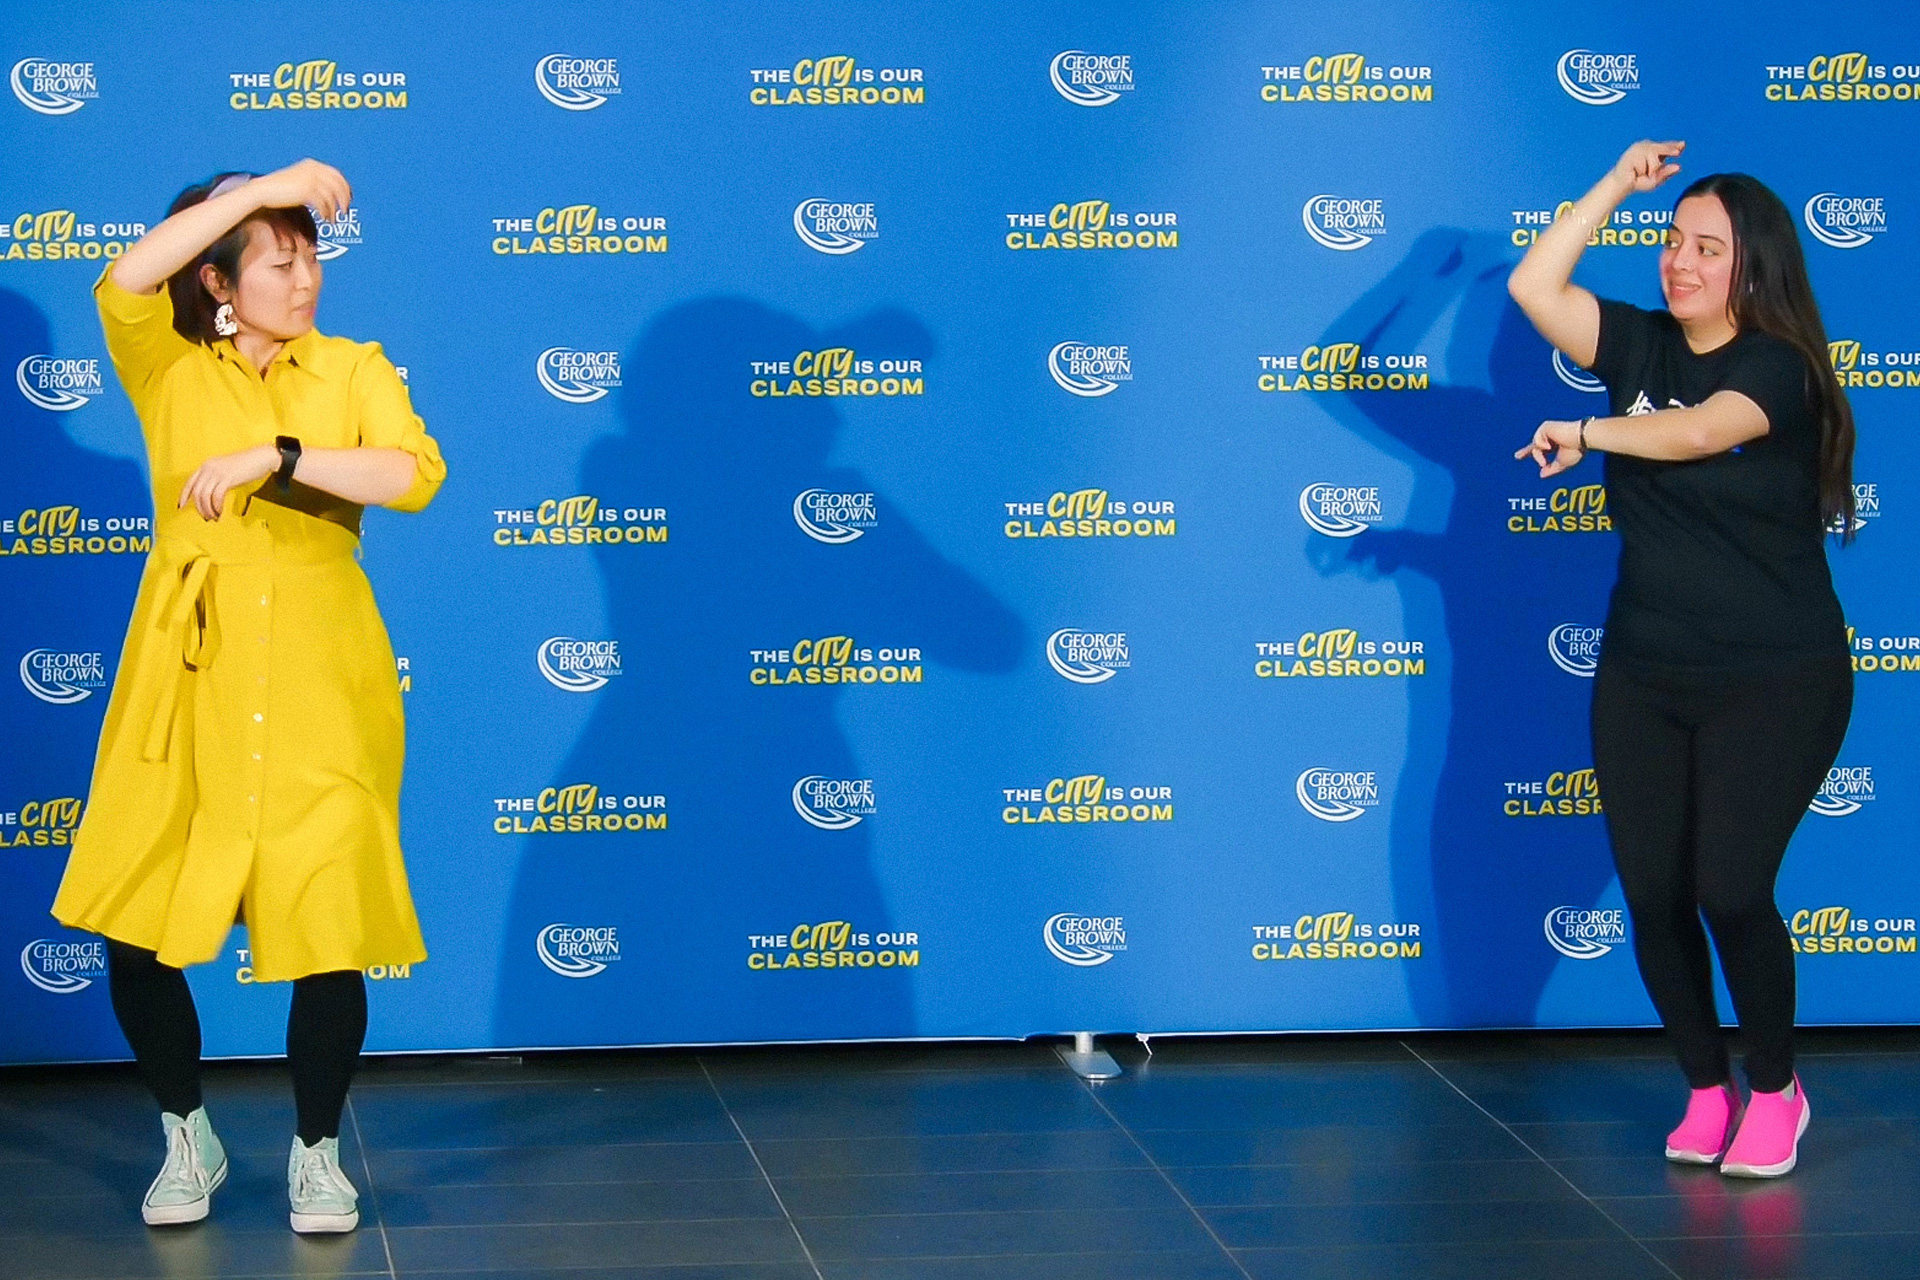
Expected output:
{"points": [[308, 182], [207, 488], [1555, 446], [1645, 165]]}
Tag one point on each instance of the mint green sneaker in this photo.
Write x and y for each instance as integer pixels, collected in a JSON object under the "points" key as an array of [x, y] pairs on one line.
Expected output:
{"points": [[196, 1166], [322, 1198]]}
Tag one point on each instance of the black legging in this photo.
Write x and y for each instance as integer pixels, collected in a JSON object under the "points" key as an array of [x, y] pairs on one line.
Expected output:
{"points": [[325, 1029], [1704, 781]]}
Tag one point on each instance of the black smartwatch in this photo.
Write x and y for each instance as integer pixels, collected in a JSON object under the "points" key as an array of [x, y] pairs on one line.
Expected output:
{"points": [[289, 459]]}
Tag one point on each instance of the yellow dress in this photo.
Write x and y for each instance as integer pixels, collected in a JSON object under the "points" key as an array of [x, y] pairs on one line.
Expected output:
{"points": [[253, 743]]}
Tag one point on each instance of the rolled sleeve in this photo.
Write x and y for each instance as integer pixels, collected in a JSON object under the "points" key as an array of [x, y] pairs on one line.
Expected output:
{"points": [[384, 418], [141, 339]]}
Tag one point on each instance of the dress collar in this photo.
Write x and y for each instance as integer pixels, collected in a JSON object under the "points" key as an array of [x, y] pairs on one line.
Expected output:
{"points": [[298, 353]]}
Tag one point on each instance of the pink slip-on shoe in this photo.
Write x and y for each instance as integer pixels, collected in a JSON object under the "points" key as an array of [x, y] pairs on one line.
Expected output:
{"points": [[1702, 1137], [1768, 1143]]}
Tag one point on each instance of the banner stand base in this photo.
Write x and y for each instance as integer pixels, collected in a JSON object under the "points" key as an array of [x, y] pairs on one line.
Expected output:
{"points": [[1086, 1060]]}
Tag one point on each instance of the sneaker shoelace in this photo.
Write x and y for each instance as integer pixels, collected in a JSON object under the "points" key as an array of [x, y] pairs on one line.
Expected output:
{"points": [[182, 1170], [316, 1178]]}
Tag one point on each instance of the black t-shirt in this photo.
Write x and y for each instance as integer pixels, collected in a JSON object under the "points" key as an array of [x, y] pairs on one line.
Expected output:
{"points": [[1722, 562]]}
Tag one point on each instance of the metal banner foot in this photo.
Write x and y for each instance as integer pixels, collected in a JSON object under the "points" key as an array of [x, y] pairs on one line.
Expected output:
{"points": [[1088, 1061]]}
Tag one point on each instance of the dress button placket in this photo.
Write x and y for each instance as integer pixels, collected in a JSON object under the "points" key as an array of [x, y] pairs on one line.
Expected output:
{"points": [[257, 746]]}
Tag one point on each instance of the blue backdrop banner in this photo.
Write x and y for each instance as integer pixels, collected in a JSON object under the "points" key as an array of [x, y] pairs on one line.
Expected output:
{"points": [[962, 526]]}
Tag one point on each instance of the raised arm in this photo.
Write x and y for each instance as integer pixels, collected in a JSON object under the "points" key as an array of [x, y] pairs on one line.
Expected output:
{"points": [[175, 243], [1565, 314]]}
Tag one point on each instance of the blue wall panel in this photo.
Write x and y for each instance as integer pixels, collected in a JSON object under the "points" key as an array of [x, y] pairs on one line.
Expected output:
{"points": [[824, 663]]}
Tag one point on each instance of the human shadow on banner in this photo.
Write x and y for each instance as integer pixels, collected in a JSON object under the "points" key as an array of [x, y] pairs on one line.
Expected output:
{"points": [[70, 559], [684, 721], [1503, 711], [74, 603], [44, 470]]}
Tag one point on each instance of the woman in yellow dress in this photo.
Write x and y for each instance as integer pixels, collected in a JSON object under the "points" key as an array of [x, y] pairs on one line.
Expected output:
{"points": [[250, 761]]}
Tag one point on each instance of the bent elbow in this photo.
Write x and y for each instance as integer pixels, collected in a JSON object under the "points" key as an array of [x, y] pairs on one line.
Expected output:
{"points": [[1700, 443], [1530, 296], [416, 498], [422, 481]]}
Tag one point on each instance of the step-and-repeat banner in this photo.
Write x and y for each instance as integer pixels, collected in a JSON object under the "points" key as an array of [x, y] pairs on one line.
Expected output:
{"points": [[962, 524]]}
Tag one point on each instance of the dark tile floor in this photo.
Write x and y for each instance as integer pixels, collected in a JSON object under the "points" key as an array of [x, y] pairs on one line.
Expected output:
{"points": [[1423, 1156]]}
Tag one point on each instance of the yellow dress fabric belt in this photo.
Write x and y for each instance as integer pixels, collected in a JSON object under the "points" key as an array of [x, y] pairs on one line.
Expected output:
{"points": [[188, 556]]}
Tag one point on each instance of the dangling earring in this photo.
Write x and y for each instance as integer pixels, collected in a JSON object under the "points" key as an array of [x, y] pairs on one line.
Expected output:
{"points": [[223, 321]]}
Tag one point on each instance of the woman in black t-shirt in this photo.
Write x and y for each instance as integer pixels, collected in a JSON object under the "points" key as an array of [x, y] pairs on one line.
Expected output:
{"points": [[1725, 684]]}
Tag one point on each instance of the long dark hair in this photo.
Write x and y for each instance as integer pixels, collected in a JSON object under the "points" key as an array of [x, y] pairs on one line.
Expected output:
{"points": [[193, 306], [1771, 294]]}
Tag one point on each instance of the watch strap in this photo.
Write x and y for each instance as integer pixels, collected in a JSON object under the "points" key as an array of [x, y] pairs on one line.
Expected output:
{"points": [[289, 447]]}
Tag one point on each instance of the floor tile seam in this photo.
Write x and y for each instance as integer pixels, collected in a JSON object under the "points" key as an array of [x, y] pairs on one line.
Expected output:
{"points": [[1076, 1171], [1285, 1070], [394, 1086], [1649, 1127], [728, 1142], [1093, 1092], [982, 1071], [1611, 1220], [1162, 1061], [1650, 1055], [521, 1078], [1039, 1253], [373, 1192], [1452, 1202], [746, 1098], [1129, 1211], [386, 1152], [839, 1262], [470, 1071], [236, 1275], [557, 1268], [1029, 1253], [816, 1139], [546, 1268], [1348, 1164], [590, 1182], [1564, 1196], [1788, 1235], [1737, 1189], [799, 1237], [567, 1097], [1318, 1132], [957, 1133], [1331, 1128], [1544, 1242], [963, 1075], [574, 1224]]}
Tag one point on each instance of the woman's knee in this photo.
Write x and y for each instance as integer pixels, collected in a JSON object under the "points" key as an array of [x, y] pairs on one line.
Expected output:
{"points": [[1660, 902], [1734, 915]]}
